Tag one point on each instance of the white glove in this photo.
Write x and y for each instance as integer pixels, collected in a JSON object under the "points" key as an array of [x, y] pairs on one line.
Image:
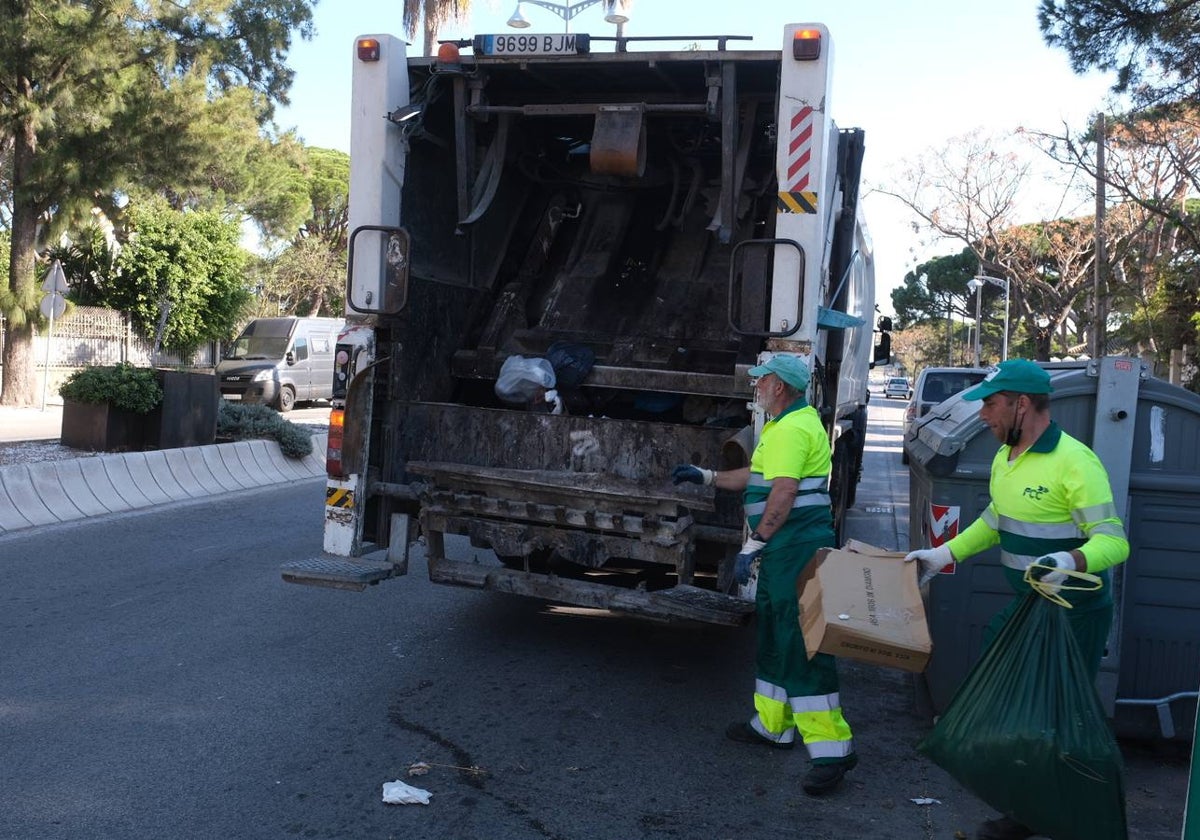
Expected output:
{"points": [[1053, 580], [932, 560]]}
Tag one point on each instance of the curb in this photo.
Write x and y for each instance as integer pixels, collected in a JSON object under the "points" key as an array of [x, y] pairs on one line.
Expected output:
{"points": [[64, 491]]}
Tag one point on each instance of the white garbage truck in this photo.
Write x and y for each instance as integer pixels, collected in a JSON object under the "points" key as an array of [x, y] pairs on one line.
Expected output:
{"points": [[565, 256]]}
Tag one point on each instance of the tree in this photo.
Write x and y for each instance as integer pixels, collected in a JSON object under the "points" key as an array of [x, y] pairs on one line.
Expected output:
{"points": [[1153, 45], [186, 264], [89, 260], [971, 194], [308, 276], [96, 98], [932, 295], [935, 289], [328, 193], [1152, 226], [918, 346], [966, 190], [432, 15]]}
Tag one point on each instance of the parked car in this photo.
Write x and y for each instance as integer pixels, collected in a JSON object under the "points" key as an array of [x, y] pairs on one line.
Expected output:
{"points": [[935, 385], [898, 386]]}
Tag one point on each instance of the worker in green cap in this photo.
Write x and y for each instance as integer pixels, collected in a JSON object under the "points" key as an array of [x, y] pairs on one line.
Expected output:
{"points": [[786, 496], [1051, 505]]}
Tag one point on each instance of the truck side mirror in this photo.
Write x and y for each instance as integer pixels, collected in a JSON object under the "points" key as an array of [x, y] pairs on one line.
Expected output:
{"points": [[290, 358], [883, 350]]}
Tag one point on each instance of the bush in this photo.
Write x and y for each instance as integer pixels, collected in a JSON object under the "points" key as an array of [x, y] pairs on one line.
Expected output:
{"points": [[250, 421], [122, 386]]}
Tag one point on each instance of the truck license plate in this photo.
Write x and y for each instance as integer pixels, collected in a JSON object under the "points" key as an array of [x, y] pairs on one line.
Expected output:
{"points": [[503, 45]]}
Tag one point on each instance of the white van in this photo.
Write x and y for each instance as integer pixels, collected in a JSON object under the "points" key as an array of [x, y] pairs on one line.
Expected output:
{"points": [[281, 361]]}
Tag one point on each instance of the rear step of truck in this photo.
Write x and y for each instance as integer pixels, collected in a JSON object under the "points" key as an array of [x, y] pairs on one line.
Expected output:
{"points": [[337, 572]]}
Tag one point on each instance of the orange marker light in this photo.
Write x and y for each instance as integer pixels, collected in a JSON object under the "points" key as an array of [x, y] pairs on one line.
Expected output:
{"points": [[333, 446], [368, 49], [806, 45]]}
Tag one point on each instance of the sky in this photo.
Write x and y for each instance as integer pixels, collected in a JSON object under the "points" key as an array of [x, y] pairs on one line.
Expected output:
{"points": [[913, 76]]}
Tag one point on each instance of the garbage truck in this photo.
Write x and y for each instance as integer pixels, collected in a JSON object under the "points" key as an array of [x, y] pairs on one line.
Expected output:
{"points": [[565, 256]]}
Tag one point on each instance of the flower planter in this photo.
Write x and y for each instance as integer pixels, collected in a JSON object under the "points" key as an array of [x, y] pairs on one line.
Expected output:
{"points": [[187, 415], [99, 427]]}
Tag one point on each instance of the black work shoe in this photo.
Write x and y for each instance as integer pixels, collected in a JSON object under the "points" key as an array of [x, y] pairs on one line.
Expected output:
{"points": [[747, 734], [823, 778], [1003, 828]]}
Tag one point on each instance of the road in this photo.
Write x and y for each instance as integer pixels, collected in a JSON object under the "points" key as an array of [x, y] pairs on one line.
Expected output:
{"points": [[160, 681]]}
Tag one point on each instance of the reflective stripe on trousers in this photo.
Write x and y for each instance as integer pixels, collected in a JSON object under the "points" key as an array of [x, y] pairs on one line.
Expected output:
{"points": [[818, 718]]}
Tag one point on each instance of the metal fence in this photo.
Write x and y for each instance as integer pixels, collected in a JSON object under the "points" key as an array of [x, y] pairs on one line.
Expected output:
{"points": [[92, 335]]}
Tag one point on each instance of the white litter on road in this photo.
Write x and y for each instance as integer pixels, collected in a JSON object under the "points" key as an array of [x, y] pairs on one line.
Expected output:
{"points": [[925, 800], [398, 793]]}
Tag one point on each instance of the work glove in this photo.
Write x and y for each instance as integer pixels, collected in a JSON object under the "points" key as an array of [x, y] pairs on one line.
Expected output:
{"points": [[1052, 579], [745, 559], [932, 561], [694, 474]]}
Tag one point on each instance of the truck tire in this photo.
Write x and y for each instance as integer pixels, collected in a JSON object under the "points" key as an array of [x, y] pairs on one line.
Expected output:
{"points": [[286, 400], [841, 483]]}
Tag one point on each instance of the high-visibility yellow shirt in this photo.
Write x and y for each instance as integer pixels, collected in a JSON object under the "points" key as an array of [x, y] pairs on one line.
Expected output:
{"points": [[1054, 496], [792, 445]]}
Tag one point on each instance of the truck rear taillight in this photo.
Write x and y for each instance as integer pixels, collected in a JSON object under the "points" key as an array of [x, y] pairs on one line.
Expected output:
{"points": [[806, 45], [333, 452], [367, 49]]}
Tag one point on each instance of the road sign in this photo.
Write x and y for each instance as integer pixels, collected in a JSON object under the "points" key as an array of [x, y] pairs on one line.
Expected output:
{"points": [[53, 305], [56, 280]]}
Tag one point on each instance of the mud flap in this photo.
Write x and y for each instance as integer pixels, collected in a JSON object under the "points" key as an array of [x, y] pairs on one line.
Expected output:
{"points": [[619, 141]]}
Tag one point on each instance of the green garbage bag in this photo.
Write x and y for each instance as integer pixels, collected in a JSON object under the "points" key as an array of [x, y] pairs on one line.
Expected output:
{"points": [[1025, 732]]}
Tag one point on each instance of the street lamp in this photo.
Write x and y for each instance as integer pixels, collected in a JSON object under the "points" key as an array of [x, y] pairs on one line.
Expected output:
{"points": [[568, 11], [976, 284]]}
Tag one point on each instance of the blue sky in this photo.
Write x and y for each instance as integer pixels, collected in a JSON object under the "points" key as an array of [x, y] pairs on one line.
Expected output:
{"points": [[911, 75]]}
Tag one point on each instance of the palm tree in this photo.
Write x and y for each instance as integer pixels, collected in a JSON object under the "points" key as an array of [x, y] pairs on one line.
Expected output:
{"points": [[433, 14]]}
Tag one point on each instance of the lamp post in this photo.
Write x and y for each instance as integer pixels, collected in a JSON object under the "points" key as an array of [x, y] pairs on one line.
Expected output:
{"points": [[568, 11], [976, 284]]}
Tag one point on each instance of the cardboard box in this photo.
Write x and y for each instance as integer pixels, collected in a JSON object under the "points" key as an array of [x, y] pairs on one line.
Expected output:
{"points": [[863, 603]]}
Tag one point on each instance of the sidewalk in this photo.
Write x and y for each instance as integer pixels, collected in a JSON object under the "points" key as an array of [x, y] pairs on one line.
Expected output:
{"points": [[39, 487], [18, 424]]}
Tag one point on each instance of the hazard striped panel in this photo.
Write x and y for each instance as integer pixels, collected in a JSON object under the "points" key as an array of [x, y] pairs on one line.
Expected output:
{"points": [[797, 197], [797, 202], [339, 497], [799, 148]]}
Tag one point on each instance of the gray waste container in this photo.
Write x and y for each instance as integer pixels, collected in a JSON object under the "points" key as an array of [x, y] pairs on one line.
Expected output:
{"points": [[1147, 434]]}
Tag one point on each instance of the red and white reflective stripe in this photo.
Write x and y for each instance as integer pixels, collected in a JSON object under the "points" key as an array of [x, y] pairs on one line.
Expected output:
{"points": [[800, 149], [943, 527], [943, 523]]}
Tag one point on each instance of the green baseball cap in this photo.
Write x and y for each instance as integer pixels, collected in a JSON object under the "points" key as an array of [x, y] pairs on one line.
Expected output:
{"points": [[1020, 376], [791, 369]]}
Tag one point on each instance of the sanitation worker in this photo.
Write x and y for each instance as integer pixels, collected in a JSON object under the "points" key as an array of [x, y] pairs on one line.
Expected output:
{"points": [[788, 512], [1051, 504]]}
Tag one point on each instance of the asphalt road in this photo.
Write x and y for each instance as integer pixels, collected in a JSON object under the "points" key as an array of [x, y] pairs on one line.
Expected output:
{"points": [[158, 680]]}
